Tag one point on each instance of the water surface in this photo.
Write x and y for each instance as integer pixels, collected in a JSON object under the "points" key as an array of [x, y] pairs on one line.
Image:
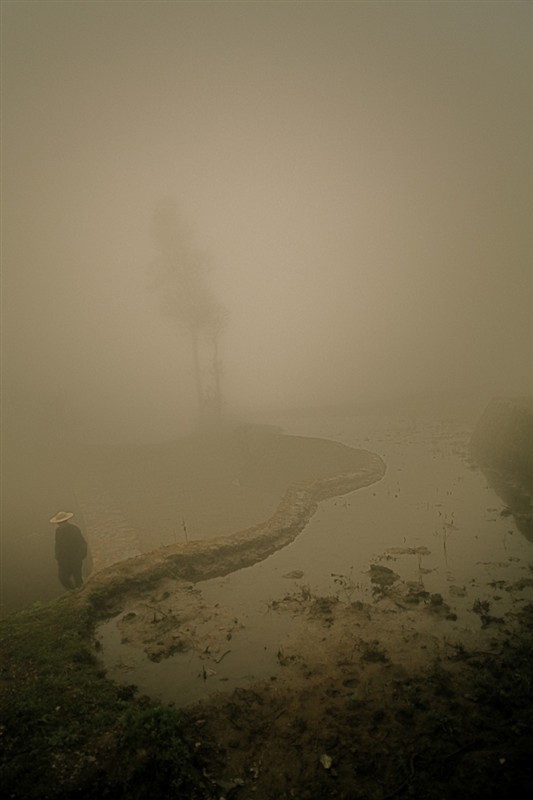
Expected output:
{"points": [[433, 519]]}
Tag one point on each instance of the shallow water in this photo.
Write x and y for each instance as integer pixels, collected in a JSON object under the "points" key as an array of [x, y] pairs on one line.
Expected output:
{"points": [[430, 497]]}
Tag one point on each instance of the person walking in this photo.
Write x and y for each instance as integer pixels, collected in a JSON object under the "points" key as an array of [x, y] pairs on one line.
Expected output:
{"points": [[70, 550]]}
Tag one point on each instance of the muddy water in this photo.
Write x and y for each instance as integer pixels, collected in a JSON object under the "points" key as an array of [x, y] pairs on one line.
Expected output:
{"points": [[433, 519]]}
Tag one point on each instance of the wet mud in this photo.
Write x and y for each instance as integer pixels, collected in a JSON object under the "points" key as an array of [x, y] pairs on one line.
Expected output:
{"points": [[359, 700]]}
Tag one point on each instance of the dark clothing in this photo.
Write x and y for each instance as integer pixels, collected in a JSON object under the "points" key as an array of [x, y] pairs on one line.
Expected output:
{"points": [[71, 549], [70, 575]]}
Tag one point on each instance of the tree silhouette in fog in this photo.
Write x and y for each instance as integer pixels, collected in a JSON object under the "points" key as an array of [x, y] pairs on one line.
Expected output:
{"points": [[181, 279]]}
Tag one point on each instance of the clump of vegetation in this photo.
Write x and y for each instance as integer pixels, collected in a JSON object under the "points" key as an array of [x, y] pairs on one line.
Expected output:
{"points": [[482, 607], [303, 595], [382, 578], [373, 652]]}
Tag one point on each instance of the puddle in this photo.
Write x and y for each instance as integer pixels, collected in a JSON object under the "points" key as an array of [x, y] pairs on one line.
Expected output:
{"points": [[433, 521], [231, 652]]}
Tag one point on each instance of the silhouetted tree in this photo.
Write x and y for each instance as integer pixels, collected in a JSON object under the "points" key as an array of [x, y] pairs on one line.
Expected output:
{"points": [[214, 329], [186, 297]]}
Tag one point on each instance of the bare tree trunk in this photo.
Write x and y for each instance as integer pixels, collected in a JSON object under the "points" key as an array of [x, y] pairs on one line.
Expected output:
{"points": [[217, 376], [197, 373]]}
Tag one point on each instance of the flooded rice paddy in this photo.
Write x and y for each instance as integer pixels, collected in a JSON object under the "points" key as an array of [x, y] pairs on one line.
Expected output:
{"points": [[432, 520]]}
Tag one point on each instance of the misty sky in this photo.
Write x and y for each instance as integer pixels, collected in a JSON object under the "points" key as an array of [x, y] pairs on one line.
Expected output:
{"points": [[359, 174]]}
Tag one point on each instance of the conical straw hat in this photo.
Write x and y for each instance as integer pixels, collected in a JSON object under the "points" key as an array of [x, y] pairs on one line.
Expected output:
{"points": [[62, 516]]}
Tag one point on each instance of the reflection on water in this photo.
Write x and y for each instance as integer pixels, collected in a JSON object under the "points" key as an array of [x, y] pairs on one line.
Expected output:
{"points": [[433, 519], [250, 654]]}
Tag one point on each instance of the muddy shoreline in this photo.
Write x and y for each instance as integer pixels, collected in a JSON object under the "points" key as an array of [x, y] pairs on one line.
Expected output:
{"points": [[366, 700], [396, 695]]}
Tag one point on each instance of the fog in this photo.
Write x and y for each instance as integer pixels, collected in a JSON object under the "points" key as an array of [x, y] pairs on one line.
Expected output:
{"points": [[358, 175]]}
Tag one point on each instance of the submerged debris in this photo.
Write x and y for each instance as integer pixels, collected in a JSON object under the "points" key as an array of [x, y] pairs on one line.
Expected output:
{"points": [[382, 578]]}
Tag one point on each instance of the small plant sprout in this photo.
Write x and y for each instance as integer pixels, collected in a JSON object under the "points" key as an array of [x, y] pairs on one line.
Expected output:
{"points": [[348, 586]]}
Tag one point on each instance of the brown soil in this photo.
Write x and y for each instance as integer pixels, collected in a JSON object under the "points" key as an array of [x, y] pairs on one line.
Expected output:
{"points": [[372, 700]]}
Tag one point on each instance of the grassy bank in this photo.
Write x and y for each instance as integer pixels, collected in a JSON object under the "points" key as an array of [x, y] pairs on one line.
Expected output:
{"points": [[67, 731]]}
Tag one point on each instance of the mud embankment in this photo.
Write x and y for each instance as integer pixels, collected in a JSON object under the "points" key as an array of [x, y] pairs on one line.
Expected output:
{"points": [[200, 560], [502, 444]]}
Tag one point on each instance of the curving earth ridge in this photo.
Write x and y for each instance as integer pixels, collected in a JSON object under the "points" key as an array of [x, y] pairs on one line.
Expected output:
{"points": [[325, 469]]}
